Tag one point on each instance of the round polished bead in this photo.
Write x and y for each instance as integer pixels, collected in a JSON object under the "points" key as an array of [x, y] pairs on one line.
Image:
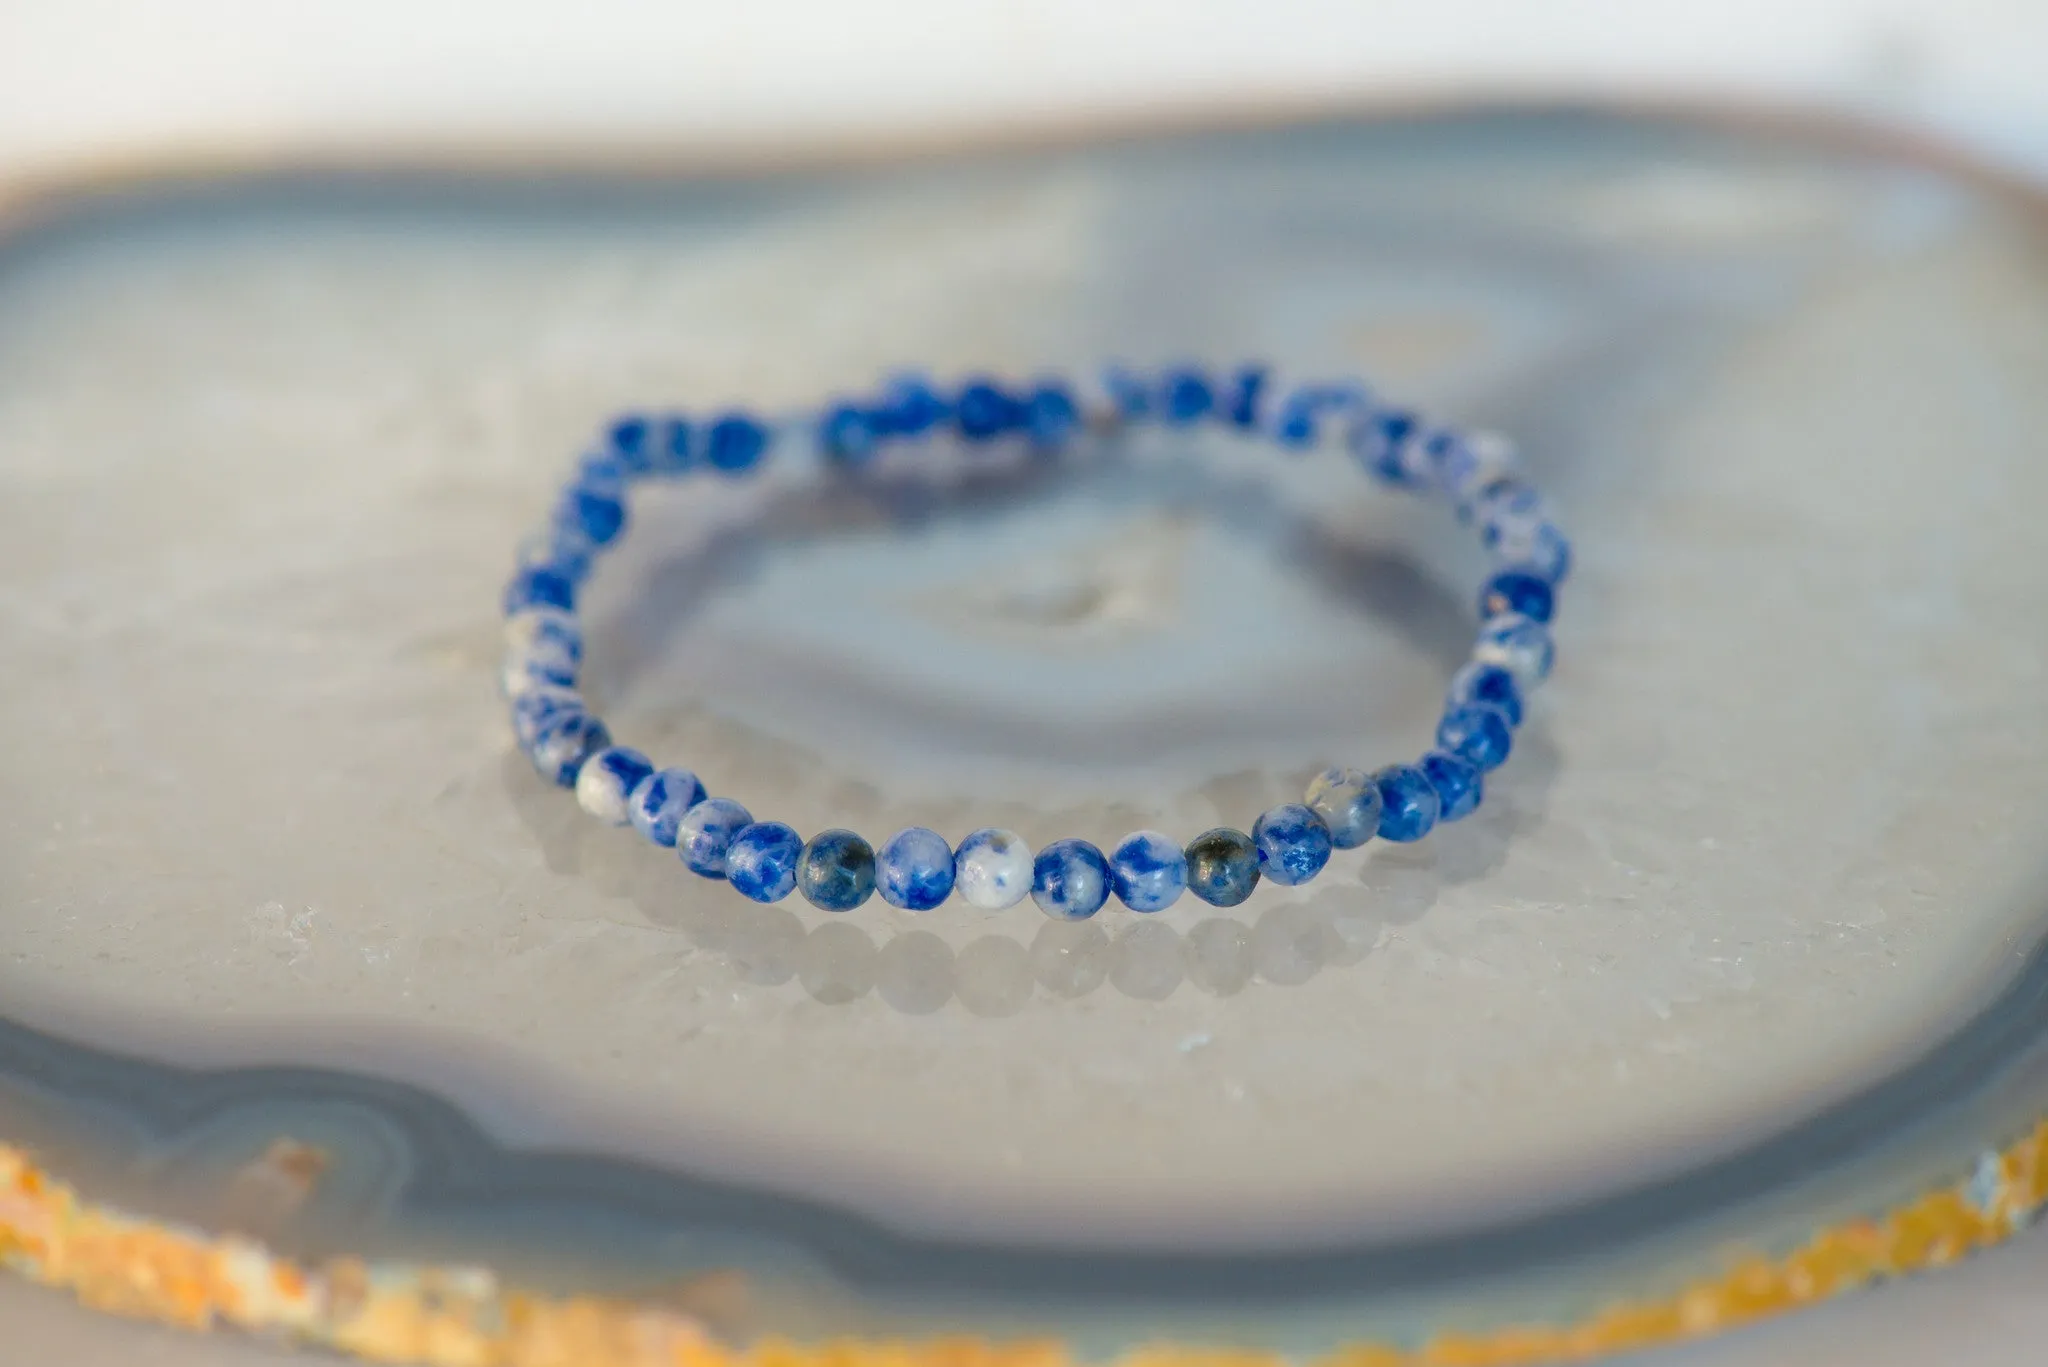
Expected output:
{"points": [[909, 407], [1051, 417], [597, 513], [1517, 591], [1520, 645], [1148, 871], [706, 830], [1490, 684], [607, 779], [984, 411], [657, 805], [672, 447], [1478, 733], [1384, 442], [992, 869], [1348, 801], [1408, 803], [1457, 781], [848, 434], [1223, 866], [735, 443], [761, 860], [539, 705], [1070, 880], [547, 633], [1541, 551], [563, 741], [1185, 397], [914, 869], [524, 672], [1473, 464], [539, 586], [628, 440], [836, 871], [1293, 844], [1243, 405]]}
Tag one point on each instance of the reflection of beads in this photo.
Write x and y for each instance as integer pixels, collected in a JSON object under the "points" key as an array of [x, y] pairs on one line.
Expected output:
{"points": [[915, 869]]}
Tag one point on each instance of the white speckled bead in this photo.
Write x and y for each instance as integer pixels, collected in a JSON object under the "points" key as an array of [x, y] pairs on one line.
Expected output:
{"points": [[1520, 645], [607, 781], [992, 869], [532, 627]]}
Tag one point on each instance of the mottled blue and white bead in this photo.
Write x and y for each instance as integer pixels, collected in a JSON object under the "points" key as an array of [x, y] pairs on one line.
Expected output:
{"points": [[1475, 463], [1148, 871], [539, 586], [546, 633], [1293, 844], [1478, 733], [1457, 781], [1409, 804], [1348, 801], [1487, 683], [657, 806], [539, 705], [706, 830], [607, 780], [1520, 645], [1517, 591], [993, 869], [761, 860], [562, 741], [1070, 880], [836, 871], [914, 869]]}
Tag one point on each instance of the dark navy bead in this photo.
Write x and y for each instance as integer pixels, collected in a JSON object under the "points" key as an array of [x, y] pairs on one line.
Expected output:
{"points": [[538, 586], [1408, 803], [1247, 388], [1148, 871], [1130, 395], [1458, 784], [910, 407], [597, 514], [1490, 684], [1223, 866], [983, 411], [914, 869], [1051, 417], [1293, 843], [1478, 733], [836, 871], [1185, 397], [1070, 880], [735, 443], [847, 434], [706, 830], [563, 741], [760, 863], [656, 808], [627, 439], [1520, 592], [1348, 801]]}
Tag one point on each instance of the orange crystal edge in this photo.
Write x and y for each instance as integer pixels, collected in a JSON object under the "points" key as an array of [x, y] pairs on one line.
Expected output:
{"points": [[463, 1317]]}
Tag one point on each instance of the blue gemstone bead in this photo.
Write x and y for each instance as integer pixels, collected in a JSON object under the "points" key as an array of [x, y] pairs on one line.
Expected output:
{"points": [[1488, 684], [1472, 464], [983, 411], [847, 433], [909, 407], [535, 706], [1070, 880], [627, 440], [548, 635], [538, 586], [1519, 645], [992, 869], [705, 831], [1128, 393], [736, 443], [1459, 786], [562, 741], [671, 446], [657, 805], [1478, 733], [1243, 402], [1051, 417], [597, 514], [1223, 866], [1148, 871], [601, 471], [1348, 801], [607, 780], [1384, 442], [1408, 803], [836, 871], [524, 672], [1185, 396], [914, 869], [1293, 844], [1299, 424], [1520, 592], [761, 860]]}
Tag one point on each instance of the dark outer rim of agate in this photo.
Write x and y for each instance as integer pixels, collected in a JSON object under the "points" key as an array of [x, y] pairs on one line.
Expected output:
{"points": [[458, 1172]]}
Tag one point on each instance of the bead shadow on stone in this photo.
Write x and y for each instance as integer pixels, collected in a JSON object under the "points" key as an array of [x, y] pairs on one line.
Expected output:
{"points": [[992, 976], [837, 963], [1145, 961], [1069, 958], [1219, 956], [914, 973]]}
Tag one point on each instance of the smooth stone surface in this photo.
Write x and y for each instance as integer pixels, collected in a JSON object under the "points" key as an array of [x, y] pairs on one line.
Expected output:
{"points": [[1070, 880], [705, 832], [1148, 871], [836, 871], [761, 861], [606, 782], [1293, 844], [914, 869], [993, 869], [1348, 801]]}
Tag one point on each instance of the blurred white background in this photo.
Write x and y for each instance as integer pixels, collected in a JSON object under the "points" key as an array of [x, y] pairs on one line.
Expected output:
{"points": [[94, 84]]}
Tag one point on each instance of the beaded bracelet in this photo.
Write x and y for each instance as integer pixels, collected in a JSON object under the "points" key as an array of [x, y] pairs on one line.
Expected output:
{"points": [[916, 869]]}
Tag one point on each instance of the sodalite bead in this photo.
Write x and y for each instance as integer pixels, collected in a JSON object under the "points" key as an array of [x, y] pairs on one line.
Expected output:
{"points": [[1185, 397], [836, 871], [1051, 417], [598, 513], [1541, 550], [1478, 733], [1293, 844], [983, 410], [735, 443], [1517, 591], [1473, 464], [910, 407], [1148, 871], [533, 708], [563, 741], [1348, 801], [914, 869], [1490, 684], [1070, 880], [657, 805], [1520, 645], [848, 434], [523, 674], [539, 586], [706, 830], [1243, 405], [547, 634], [993, 869], [1384, 442], [1457, 781], [1223, 866], [607, 779], [1408, 803], [761, 860]]}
